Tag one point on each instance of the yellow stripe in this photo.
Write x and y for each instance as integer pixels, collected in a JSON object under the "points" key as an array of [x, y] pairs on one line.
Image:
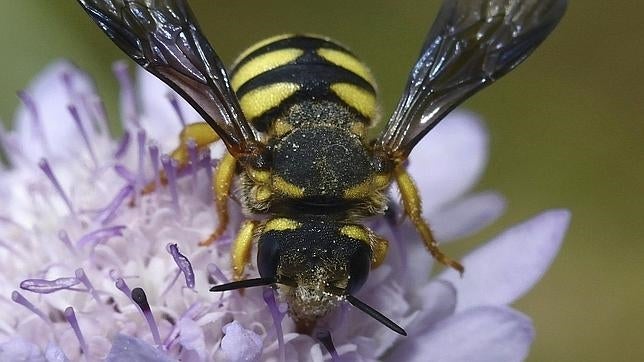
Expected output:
{"points": [[258, 45], [281, 224], [348, 62], [262, 64], [355, 232], [287, 188], [258, 101], [358, 98]]}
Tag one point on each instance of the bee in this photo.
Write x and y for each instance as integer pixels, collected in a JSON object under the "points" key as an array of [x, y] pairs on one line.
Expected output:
{"points": [[293, 114]]}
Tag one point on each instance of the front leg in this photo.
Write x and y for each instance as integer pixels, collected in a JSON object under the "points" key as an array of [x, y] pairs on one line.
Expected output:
{"points": [[412, 203]]}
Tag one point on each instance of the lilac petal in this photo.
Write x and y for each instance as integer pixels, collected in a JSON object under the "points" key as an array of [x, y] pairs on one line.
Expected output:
{"points": [[19, 349], [53, 353], [507, 267], [130, 349], [482, 334], [450, 159], [466, 216], [437, 301], [160, 119], [191, 337], [51, 97], [43, 286], [240, 344]]}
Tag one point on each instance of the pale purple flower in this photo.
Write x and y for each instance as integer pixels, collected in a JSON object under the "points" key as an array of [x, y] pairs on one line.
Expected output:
{"points": [[91, 269]]}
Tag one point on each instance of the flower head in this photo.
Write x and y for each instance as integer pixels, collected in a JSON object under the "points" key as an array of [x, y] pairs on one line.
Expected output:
{"points": [[92, 267]]}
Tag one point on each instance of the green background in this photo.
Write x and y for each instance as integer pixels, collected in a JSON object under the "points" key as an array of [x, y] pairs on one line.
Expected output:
{"points": [[566, 131]]}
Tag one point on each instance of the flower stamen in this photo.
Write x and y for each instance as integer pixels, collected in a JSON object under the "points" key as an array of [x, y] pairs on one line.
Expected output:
{"points": [[127, 96], [31, 107], [73, 322], [174, 101], [43, 286], [80, 275], [169, 166], [183, 263], [278, 316], [109, 212], [100, 235], [44, 166], [79, 124], [20, 299], [123, 145], [139, 297]]}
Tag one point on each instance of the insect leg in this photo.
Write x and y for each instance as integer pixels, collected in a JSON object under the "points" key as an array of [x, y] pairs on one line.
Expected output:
{"points": [[412, 203], [222, 182], [201, 133], [379, 247], [242, 247]]}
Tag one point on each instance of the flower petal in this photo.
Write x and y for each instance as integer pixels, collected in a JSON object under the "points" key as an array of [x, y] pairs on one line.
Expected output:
{"points": [[160, 120], [53, 353], [504, 269], [450, 159], [436, 301], [19, 349], [51, 98], [130, 349], [466, 216], [241, 344], [483, 334]]}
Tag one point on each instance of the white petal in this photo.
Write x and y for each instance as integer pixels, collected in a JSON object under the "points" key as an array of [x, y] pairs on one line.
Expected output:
{"points": [[130, 349], [51, 97], [466, 216], [483, 334], [505, 268], [450, 159], [19, 349], [240, 344], [160, 120]]}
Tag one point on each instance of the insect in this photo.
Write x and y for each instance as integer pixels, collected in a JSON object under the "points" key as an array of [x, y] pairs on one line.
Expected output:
{"points": [[293, 115]]}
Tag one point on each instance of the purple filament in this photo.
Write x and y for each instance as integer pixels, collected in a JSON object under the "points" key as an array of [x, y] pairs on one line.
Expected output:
{"points": [[123, 145], [73, 322], [64, 237], [183, 263], [127, 96], [139, 297], [172, 97], [18, 298], [126, 174], [79, 124], [109, 212], [80, 275], [44, 166], [269, 298], [206, 161], [43, 286], [100, 235], [154, 160], [100, 116], [141, 137], [29, 103], [325, 338], [215, 272], [191, 313], [171, 172], [194, 161], [123, 287]]}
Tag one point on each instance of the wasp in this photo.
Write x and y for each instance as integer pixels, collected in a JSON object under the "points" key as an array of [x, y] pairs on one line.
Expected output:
{"points": [[294, 113]]}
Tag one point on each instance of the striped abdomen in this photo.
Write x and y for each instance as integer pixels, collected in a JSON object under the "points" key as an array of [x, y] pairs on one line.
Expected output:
{"points": [[289, 79]]}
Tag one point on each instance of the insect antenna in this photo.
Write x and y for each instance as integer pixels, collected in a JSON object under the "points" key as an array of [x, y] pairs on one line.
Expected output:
{"points": [[375, 315], [241, 284]]}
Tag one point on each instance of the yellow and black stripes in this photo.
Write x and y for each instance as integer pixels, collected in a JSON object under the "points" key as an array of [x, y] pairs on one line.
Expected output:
{"points": [[290, 69]]}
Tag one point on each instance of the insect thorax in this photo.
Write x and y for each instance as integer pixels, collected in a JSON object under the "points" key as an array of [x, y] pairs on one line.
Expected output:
{"points": [[313, 100]]}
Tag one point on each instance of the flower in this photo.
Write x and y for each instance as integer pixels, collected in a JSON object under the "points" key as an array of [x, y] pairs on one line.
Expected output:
{"points": [[93, 268]]}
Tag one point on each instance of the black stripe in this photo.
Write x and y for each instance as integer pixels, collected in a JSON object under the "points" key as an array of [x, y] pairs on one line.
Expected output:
{"points": [[314, 79], [303, 42]]}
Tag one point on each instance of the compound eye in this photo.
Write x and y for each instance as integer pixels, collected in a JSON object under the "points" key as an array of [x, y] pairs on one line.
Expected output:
{"points": [[359, 269], [268, 257]]}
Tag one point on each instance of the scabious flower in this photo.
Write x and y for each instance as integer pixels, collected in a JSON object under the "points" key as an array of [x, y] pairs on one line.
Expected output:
{"points": [[93, 269]]}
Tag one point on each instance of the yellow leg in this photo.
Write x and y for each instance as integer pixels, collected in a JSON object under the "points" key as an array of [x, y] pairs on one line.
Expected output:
{"points": [[242, 247], [201, 133], [379, 247], [222, 183], [412, 203]]}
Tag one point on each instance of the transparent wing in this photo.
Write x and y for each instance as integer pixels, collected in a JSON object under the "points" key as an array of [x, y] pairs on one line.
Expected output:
{"points": [[471, 44], [164, 38]]}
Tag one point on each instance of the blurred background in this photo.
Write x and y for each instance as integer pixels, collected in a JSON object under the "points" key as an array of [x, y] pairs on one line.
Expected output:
{"points": [[566, 131]]}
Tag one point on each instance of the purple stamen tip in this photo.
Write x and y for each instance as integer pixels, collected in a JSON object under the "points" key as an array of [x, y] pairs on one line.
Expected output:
{"points": [[20, 299], [123, 287], [183, 263], [123, 144], [175, 105], [141, 138], [64, 237], [73, 322], [29, 103], [194, 161], [269, 298], [43, 286], [128, 97], [80, 275], [169, 165], [139, 297], [44, 166], [100, 235], [126, 174], [79, 124], [154, 160]]}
